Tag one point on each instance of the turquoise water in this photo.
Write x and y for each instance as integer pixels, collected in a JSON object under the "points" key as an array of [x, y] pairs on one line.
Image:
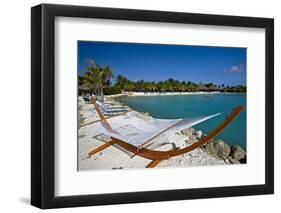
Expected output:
{"points": [[184, 106]]}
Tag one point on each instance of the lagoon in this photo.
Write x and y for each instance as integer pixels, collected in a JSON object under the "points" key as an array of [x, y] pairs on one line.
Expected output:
{"points": [[186, 106]]}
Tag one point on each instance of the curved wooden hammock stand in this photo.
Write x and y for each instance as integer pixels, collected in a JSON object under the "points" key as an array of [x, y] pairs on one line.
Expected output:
{"points": [[158, 156]]}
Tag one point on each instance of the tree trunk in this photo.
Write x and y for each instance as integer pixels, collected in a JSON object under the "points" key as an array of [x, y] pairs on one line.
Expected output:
{"points": [[101, 93], [97, 92]]}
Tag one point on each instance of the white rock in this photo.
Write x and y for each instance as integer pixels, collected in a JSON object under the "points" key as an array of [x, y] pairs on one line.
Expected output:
{"points": [[199, 134]]}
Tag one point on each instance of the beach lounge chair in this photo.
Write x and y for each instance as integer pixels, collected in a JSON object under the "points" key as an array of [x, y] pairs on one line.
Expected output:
{"points": [[139, 144], [111, 110], [112, 106], [87, 99]]}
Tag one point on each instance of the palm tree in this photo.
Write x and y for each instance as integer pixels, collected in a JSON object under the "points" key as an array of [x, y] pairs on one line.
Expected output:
{"points": [[122, 82], [96, 78], [90, 81], [140, 86], [159, 86], [130, 86], [106, 74]]}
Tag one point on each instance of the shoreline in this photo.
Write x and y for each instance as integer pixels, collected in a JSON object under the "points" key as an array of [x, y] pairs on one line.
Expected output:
{"points": [[135, 94], [215, 152], [210, 149]]}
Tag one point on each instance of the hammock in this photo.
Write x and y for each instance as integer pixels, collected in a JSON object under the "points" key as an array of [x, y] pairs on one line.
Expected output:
{"points": [[143, 134], [138, 138]]}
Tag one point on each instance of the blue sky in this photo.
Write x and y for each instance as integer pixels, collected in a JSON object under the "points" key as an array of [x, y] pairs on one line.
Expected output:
{"points": [[156, 62]]}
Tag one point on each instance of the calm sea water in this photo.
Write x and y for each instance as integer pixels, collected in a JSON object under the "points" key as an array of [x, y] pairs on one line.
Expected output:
{"points": [[184, 106]]}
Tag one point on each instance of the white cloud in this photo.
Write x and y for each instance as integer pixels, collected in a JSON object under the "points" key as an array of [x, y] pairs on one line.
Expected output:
{"points": [[235, 69]]}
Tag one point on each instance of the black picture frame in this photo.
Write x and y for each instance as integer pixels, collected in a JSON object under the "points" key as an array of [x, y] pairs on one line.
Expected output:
{"points": [[43, 102]]}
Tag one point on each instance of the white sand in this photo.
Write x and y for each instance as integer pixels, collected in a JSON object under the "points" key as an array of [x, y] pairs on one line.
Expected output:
{"points": [[165, 93], [114, 158]]}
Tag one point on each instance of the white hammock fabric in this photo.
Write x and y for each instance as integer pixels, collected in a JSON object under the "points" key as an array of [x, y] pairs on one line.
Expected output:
{"points": [[143, 132]]}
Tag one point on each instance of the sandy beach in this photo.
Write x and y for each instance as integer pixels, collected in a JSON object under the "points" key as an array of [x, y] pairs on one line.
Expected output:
{"points": [[163, 93], [90, 137]]}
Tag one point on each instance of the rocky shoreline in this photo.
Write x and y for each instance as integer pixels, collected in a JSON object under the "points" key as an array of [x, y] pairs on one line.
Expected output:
{"points": [[233, 154], [230, 154], [218, 148]]}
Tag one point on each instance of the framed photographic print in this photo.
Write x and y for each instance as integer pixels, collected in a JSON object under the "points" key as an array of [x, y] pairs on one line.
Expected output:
{"points": [[139, 106]]}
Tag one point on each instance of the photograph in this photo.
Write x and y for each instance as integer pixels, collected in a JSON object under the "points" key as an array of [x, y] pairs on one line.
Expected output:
{"points": [[139, 105], [143, 105]]}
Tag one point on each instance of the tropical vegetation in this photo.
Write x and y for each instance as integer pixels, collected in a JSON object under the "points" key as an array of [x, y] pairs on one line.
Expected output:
{"points": [[95, 79], [98, 80]]}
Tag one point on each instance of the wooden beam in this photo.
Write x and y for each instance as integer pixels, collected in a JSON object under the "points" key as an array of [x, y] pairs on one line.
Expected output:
{"points": [[153, 163], [100, 148]]}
